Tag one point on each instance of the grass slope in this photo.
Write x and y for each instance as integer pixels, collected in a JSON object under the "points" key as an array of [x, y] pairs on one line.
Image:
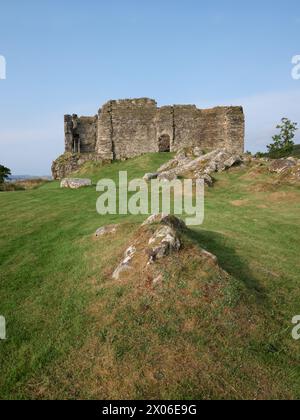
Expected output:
{"points": [[74, 333]]}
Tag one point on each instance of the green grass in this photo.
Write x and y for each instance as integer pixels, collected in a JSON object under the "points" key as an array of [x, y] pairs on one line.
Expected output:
{"points": [[72, 333]]}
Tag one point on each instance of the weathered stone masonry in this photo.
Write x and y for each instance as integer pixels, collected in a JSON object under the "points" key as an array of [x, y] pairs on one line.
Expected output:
{"points": [[126, 128]]}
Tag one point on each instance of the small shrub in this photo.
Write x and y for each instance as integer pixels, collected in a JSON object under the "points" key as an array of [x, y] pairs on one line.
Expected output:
{"points": [[4, 173]]}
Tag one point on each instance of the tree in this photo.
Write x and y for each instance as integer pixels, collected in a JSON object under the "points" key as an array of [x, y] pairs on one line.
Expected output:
{"points": [[283, 144], [4, 173]]}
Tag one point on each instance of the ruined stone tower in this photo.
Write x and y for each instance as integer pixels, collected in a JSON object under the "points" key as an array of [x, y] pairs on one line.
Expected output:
{"points": [[131, 127]]}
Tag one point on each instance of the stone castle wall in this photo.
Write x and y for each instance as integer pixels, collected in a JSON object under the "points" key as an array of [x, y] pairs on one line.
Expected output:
{"points": [[80, 134], [128, 128]]}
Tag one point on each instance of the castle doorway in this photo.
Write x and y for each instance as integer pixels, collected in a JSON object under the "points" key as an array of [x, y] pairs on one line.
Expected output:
{"points": [[164, 143], [76, 143]]}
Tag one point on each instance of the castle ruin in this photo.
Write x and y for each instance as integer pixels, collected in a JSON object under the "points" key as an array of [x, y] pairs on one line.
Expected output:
{"points": [[131, 127]]}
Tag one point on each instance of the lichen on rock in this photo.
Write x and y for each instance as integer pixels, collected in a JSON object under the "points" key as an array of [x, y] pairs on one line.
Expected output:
{"points": [[72, 162], [106, 230], [75, 183], [125, 264], [196, 165], [159, 237]]}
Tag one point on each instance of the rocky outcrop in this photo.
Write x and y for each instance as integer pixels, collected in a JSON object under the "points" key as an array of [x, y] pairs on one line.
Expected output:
{"points": [[283, 165], [277, 171], [163, 242], [125, 264], [191, 163], [166, 220], [147, 177], [72, 162], [157, 243], [287, 169], [75, 183], [159, 237]]}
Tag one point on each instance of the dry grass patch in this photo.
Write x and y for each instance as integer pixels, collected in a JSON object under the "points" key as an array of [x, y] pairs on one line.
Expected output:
{"points": [[284, 196], [263, 186], [253, 172], [240, 203]]}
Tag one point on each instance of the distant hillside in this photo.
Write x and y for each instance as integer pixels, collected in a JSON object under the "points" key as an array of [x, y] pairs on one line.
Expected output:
{"points": [[13, 178], [295, 153]]}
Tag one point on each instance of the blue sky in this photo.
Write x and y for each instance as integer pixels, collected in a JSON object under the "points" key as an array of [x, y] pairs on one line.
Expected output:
{"points": [[71, 56]]}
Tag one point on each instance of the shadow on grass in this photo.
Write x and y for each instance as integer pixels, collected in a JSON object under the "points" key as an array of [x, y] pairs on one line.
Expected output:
{"points": [[217, 244]]}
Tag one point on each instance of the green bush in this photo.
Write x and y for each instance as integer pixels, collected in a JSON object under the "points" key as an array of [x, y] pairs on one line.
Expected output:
{"points": [[283, 144], [4, 173]]}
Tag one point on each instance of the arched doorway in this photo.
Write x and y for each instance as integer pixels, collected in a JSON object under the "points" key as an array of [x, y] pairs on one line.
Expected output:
{"points": [[164, 143]]}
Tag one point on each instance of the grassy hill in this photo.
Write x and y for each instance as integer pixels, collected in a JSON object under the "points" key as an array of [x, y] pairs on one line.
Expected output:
{"points": [[73, 332]]}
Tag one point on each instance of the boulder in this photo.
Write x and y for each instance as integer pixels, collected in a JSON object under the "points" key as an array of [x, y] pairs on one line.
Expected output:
{"points": [[148, 177], [197, 152], [152, 244], [163, 242], [282, 165], [295, 174], [167, 220], [154, 218], [159, 237], [106, 230], [167, 176], [125, 263], [189, 152], [75, 183], [206, 178], [172, 164], [232, 161]]}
